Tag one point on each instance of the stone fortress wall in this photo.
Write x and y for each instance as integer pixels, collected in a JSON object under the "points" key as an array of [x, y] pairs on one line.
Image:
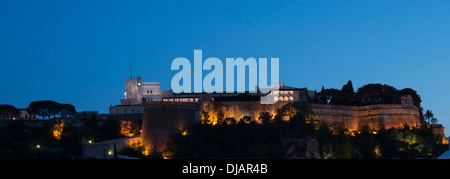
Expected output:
{"points": [[164, 118], [375, 116]]}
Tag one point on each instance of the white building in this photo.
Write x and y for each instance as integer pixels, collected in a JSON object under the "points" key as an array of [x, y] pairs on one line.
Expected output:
{"points": [[136, 90]]}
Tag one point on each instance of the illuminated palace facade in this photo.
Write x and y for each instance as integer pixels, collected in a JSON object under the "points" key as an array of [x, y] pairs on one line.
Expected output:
{"points": [[164, 112]]}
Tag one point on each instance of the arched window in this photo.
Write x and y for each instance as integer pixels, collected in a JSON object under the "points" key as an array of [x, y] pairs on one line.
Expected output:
{"points": [[286, 98], [291, 98]]}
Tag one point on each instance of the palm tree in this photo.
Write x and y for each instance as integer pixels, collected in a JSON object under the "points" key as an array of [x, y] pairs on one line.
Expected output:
{"points": [[429, 115]]}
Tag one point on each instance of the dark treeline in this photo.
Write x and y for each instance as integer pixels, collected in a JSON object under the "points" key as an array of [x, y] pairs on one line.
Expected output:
{"points": [[44, 109], [9, 111], [49, 108], [366, 95]]}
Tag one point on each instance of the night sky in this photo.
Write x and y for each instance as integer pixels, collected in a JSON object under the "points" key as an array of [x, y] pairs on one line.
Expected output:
{"points": [[79, 52]]}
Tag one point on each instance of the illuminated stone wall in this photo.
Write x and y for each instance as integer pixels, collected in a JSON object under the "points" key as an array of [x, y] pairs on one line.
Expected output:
{"points": [[239, 109], [354, 117], [374, 116]]}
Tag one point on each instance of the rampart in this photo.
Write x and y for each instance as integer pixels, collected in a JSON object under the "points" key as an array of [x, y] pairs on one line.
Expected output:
{"points": [[373, 116]]}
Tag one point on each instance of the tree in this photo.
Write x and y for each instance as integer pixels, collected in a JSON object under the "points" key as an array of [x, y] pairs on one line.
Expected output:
{"points": [[378, 94], [49, 108], [66, 110], [416, 98], [348, 88], [218, 109], [205, 117], [43, 108], [348, 95], [429, 115], [246, 119], [434, 121], [265, 117]]}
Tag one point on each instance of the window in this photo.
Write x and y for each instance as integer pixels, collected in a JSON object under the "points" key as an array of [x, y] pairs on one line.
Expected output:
{"points": [[147, 91], [124, 111], [132, 111], [151, 91], [117, 111]]}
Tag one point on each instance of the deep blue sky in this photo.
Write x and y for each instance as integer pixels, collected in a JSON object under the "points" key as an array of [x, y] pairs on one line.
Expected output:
{"points": [[78, 52]]}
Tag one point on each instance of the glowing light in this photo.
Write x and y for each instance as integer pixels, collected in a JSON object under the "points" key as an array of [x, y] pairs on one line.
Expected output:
{"points": [[57, 130], [185, 132], [139, 84], [90, 141], [38, 146], [166, 155], [110, 152], [145, 152]]}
